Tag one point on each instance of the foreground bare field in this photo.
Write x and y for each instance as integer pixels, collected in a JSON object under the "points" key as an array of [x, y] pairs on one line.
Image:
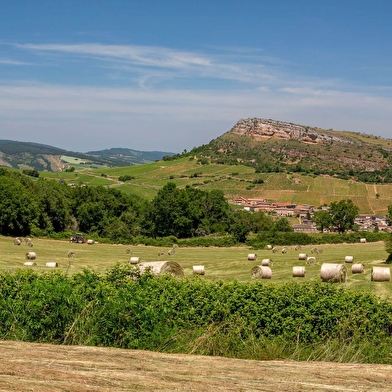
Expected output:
{"points": [[44, 368]]}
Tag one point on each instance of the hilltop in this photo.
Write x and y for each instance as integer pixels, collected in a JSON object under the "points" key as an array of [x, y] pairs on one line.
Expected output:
{"points": [[42, 157], [276, 146]]}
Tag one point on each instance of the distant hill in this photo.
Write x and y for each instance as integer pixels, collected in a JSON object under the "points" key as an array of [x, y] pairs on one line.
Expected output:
{"points": [[127, 156], [21, 155], [276, 146]]}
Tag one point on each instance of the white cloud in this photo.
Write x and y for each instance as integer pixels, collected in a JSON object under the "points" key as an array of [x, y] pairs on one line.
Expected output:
{"points": [[174, 99]]}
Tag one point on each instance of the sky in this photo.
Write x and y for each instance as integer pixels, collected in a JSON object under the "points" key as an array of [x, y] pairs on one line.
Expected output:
{"points": [[170, 75]]}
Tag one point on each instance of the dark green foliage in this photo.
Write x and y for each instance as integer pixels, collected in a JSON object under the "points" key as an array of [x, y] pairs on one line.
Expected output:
{"points": [[126, 177], [31, 172], [124, 309], [180, 212]]}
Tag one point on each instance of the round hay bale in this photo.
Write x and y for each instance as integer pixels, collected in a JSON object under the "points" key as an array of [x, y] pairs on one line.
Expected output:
{"points": [[17, 241], [299, 272], [381, 274], [333, 273], [175, 246], [161, 252], [268, 247], [31, 256], [71, 254], [358, 268], [128, 251], [162, 268], [91, 242], [311, 260], [261, 272], [362, 240], [302, 256], [266, 262], [134, 260], [51, 264], [252, 256], [298, 247], [171, 252], [199, 270], [349, 259], [284, 250], [275, 249], [30, 263]]}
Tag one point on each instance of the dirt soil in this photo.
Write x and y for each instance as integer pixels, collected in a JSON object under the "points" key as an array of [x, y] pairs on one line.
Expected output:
{"points": [[42, 367]]}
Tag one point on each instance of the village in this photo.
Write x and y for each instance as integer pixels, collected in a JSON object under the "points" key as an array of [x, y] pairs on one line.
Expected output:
{"points": [[305, 212]]}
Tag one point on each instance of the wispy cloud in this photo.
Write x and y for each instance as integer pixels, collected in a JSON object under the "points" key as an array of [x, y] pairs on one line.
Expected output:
{"points": [[147, 60], [13, 62]]}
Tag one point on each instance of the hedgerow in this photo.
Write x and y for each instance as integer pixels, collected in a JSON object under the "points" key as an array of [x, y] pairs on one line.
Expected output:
{"points": [[123, 309]]}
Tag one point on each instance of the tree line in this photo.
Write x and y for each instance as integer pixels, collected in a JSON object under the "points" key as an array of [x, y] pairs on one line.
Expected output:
{"points": [[45, 208], [40, 207]]}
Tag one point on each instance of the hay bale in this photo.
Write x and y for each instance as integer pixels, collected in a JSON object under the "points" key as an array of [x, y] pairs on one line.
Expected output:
{"points": [[31, 255], [302, 256], [128, 251], [358, 268], [266, 262], [275, 249], [252, 256], [171, 252], [30, 263], [162, 268], [175, 246], [268, 247], [299, 272], [261, 272], [161, 252], [362, 240], [349, 259], [71, 254], [311, 260], [17, 241], [298, 247], [134, 260], [333, 273], [51, 264], [199, 270], [381, 274], [284, 250], [90, 242]]}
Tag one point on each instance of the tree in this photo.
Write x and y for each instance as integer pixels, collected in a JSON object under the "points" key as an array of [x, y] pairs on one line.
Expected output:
{"points": [[282, 225], [343, 214], [389, 215], [388, 248], [322, 219]]}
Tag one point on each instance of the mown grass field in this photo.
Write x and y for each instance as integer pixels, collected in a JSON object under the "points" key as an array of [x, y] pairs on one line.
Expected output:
{"points": [[219, 263], [234, 181]]}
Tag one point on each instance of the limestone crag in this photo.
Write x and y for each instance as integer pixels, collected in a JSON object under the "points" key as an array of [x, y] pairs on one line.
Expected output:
{"points": [[260, 129]]}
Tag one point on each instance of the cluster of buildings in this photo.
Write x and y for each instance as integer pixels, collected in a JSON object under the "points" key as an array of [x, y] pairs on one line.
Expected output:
{"points": [[305, 212]]}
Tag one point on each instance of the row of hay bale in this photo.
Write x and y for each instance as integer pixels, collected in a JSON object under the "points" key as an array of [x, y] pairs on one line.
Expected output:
{"points": [[329, 272], [49, 264], [27, 241]]}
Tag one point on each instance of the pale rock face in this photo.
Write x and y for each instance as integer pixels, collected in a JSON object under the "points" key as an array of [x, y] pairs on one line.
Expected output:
{"points": [[259, 129]]}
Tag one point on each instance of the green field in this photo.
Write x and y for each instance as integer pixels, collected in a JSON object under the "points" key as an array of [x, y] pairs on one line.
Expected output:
{"points": [[234, 181], [219, 263]]}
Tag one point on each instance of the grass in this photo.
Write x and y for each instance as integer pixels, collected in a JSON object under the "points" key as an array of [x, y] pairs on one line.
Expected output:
{"points": [[220, 263]]}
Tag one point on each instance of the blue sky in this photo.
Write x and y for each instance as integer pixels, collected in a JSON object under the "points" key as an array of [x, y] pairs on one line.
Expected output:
{"points": [[171, 75]]}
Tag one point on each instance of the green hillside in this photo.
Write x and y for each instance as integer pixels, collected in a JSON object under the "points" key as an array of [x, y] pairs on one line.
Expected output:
{"points": [[234, 181]]}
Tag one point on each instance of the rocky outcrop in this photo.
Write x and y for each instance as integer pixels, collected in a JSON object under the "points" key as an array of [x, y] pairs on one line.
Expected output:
{"points": [[260, 129]]}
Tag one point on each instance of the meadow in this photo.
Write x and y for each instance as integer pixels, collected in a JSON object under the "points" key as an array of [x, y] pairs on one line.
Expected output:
{"points": [[225, 264]]}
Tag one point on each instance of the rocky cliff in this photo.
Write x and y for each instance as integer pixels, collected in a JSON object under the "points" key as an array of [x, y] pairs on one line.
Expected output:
{"points": [[259, 129]]}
